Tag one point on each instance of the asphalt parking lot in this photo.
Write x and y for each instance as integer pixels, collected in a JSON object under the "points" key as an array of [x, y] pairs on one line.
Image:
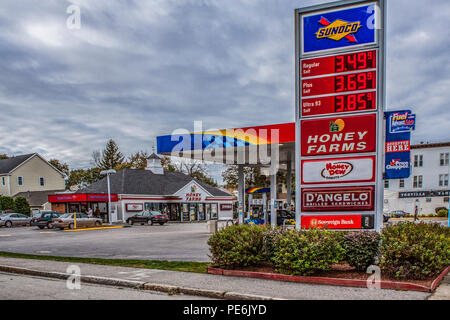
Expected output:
{"points": [[182, 242]]}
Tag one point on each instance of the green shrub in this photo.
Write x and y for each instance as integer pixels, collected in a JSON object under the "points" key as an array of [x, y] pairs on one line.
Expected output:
{"points": [[414, 250], [7, 203], [361, 248], [22, 205], [270, 243], [442, 213], [307, 252], [237, 246]]}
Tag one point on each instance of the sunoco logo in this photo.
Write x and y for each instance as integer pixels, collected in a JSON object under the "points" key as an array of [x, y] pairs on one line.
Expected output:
{"points": [[338, 30], [336, 170], [396, 164]]}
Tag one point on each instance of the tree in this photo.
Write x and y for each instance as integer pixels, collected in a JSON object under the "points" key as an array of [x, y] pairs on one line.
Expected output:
{"points": [[3, 156], [195, 169], [167, 165], [81, 178], [63, 167], [253, 177], [111, 157], [204, 178], [135, 161], [22, 205], [7, 203]]}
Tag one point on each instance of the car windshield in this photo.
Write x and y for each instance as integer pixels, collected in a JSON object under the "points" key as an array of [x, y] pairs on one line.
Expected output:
{"points": [[37, 215], [66, 215], [3, 214], [155, 213]]}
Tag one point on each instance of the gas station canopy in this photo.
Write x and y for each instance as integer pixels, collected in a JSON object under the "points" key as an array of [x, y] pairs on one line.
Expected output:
{"points": [[250, 146]]}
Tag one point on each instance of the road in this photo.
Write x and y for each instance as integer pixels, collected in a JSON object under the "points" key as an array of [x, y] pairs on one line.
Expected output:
{"points": [[18, 287], [183, 242]]}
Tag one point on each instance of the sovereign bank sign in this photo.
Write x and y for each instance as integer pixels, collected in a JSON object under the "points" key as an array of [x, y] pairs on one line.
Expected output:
{"points": [[339, 29]]}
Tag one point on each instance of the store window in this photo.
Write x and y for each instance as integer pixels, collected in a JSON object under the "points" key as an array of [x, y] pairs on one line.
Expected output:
{"points": [[446, 199], [401, 183], [152, 206], [192, 212], [201, 212], [428, 200], [208, 211], [443, 159], [386, 184], [185, 216], [214, 215]]}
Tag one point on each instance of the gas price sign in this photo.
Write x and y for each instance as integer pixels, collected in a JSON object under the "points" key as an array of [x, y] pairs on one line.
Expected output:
{"points": [[327, 82], [339, 63]]}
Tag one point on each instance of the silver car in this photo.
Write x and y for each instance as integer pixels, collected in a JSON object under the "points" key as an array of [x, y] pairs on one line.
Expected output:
{"points": [[67, 221], [14, 219]]}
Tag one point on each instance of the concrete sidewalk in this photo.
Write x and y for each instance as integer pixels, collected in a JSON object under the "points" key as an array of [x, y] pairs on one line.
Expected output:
{"points": [[248, 288]]}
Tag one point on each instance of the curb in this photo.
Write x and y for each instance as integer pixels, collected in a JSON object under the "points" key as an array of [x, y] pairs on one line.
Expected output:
{"points": [[393, 285], [169, 289]]}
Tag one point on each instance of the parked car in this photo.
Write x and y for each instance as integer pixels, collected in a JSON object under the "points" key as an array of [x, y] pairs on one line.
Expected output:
{"points": [[386, 217], [14, 219], [44, 219], [67, 221], [398, 213], [149, 217]]}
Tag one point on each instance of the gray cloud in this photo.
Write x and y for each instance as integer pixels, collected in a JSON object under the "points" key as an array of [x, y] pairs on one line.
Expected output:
{"points": [[138, 69]]}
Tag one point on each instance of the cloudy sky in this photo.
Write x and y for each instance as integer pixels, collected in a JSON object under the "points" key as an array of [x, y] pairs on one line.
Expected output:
{"points": [[137, 69]]}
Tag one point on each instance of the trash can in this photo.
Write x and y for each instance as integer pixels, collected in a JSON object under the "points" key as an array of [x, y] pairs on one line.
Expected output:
{"points": [[211, 225]]}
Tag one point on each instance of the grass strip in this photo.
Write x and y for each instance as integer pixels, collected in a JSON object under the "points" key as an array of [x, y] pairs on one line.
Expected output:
{"points": [[185, 266]]}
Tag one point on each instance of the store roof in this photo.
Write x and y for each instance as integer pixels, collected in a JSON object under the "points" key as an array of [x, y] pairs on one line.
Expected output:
{"points": [[37, 198], [7, 165], [135, 181]]}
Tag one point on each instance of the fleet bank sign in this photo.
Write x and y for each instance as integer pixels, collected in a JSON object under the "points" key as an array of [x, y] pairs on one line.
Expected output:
{"points": [[339, 29], [338, 222], [338, 199]]}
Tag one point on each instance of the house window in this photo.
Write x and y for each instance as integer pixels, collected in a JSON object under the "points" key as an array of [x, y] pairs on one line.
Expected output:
{"points": [[418, 160], [401, 183], [20, 181], [417, 181], [41, 181], [443, 180], [443, 159], [386, 184], [3, 181]]}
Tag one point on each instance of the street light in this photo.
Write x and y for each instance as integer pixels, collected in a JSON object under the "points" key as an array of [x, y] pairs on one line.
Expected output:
{"points": [[108, 172]]}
